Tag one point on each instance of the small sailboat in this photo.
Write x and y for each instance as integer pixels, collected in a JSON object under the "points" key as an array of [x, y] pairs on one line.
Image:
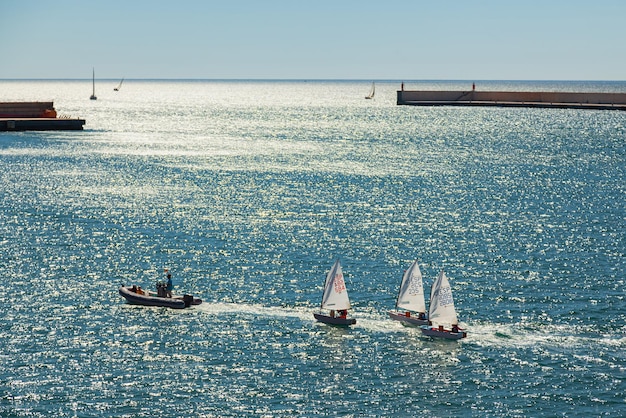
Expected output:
{"points": [[119, 86], [93, 94], [442, 315], [372, 92], [335, 298], [411, 299]]}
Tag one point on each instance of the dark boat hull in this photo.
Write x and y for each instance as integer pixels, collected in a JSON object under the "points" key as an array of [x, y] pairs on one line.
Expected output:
{"points": [[151, 299], [342, 322], [438, 333], [410, 321]]}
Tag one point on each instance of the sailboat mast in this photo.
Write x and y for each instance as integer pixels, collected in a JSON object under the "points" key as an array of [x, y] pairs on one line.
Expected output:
{"points": [[400, 290], [323, 293], [93, 85], [330, 275]]}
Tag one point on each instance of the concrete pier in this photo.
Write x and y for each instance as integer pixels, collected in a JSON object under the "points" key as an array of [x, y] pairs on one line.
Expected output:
{"points": [[35, 116], [564, 100]]}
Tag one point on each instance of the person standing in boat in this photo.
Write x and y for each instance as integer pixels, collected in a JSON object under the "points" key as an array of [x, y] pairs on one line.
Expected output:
{"points": [[169, 286]]}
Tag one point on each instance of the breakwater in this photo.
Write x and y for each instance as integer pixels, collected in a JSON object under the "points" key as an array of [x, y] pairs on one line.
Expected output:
{"points": [[601, 101], [27, 110], [35, 116]]}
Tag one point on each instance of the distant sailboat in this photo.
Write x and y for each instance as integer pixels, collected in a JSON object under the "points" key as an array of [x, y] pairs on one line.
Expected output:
{"points": [[119, 86], [93, 94], [411, 298], [335, 298], [372, 92], [442, 315]]}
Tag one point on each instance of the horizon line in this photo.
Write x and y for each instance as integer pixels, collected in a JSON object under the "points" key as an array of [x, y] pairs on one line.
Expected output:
{"points": [[384, 80]]}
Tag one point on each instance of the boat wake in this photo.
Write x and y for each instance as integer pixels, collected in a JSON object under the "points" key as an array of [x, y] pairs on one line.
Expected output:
{"points": [[523, 335], [372, 321], [481, 334], [254, 310]]}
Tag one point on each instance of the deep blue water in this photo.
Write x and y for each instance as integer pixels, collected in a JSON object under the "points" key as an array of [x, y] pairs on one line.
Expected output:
{"points": [[248, 191]]}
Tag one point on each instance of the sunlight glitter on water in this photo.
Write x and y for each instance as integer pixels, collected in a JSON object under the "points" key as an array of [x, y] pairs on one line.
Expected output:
{"points": [[248, 191]]}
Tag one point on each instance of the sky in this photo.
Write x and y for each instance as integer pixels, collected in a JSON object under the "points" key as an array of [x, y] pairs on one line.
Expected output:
{"points": [[316, 39]]}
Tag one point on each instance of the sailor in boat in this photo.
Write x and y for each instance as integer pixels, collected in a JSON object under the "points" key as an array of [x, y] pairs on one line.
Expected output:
{"points": [[137, 289], [164, 290], [343, 314], [169, 286], [420, 315], [455, 329]]}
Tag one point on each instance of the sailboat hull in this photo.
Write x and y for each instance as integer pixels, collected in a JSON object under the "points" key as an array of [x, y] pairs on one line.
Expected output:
{"points": [[410, 321], [343, 322], [438, 333]]}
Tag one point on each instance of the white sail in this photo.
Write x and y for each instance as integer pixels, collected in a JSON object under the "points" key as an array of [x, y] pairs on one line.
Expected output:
{"points": [[411, 295], [442, 310], [372, 92], [335, 292]]}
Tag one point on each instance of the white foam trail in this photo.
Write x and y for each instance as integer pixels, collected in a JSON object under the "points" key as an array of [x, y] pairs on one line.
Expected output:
{"points": [[254, 309], [365, 320], [485, 334]]}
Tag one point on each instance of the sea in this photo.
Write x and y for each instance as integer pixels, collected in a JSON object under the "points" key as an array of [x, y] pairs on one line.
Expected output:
{"points": [[249, 190]]}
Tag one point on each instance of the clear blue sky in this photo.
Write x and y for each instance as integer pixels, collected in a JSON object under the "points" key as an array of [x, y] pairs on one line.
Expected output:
{"points": [[317, 39]]}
